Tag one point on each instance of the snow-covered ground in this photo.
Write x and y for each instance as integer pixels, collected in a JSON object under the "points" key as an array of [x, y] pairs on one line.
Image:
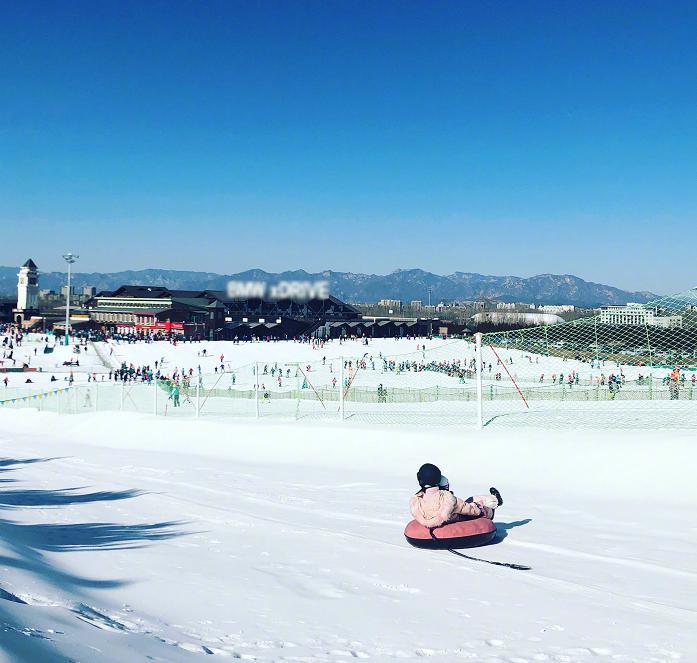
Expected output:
{"points": [[128, 537], [31, 353], [323, 362], [300, 381]]}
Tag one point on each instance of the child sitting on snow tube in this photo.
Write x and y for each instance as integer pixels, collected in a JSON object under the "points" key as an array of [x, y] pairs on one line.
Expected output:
{"points": [[435, 505]]}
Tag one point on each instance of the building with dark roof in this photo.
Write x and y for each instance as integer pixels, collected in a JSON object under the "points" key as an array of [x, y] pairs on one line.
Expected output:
{"points": [[6, 308], [211, 314], [141, 309]]}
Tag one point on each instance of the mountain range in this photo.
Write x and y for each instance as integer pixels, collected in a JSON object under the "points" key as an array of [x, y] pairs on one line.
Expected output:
{"points": [[404, 284]]}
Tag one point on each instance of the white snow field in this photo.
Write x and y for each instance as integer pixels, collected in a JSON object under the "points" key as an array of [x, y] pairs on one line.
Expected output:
{"points": [[302, 381], [128, 537]]}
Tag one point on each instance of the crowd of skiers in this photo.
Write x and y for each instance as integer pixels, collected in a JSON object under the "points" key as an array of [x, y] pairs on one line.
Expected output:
{"points": [[461, 369]]}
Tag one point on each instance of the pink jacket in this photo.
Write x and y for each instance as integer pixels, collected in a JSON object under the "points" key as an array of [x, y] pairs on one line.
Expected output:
{"points": [[434, 507]]}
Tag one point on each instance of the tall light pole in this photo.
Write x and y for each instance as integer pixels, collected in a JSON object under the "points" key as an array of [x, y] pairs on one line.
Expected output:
{"points": [[70, 259]]}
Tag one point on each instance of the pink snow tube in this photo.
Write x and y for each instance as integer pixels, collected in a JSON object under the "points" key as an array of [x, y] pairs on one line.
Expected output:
{"points": [[461, 534]]}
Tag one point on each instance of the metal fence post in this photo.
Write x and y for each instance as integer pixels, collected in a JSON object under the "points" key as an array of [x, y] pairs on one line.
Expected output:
{"points": [[256, 388], [198, 396], [341, 389], [480, 412]]}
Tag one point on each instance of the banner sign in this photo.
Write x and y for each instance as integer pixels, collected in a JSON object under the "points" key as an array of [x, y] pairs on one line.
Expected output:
{"points": [[295, 290], [34, 397], [166, 326]]}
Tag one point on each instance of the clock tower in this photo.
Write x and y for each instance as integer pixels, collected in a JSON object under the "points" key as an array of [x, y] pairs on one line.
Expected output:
{"points": [[27, 292]]}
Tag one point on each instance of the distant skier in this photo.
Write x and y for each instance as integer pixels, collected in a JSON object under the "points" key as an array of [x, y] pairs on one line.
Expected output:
{"points": [[674, 384], [174, 394]]}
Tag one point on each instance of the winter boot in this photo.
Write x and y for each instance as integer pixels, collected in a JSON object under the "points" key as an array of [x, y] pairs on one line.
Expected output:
{"points": [[497, 495]]}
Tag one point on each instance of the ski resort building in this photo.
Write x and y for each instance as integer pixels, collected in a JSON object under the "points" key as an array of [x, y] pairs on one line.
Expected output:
{"points": [[6, 308], [280, 318], [638, 314], [142, 310], [211, 314]]}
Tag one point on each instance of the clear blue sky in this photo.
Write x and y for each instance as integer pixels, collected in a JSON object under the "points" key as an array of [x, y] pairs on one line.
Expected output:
{"points": [[499, 137]]}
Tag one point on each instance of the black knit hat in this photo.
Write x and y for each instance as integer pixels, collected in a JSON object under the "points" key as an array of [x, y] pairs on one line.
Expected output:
{"points": [[428, 475]]}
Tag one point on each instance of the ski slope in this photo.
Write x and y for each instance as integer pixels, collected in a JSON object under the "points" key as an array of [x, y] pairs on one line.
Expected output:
{"points": [[321, 364], [131, 538], [302, 381]]}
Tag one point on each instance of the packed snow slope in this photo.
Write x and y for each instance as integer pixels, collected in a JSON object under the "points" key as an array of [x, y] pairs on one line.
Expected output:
{"points": [[126, 537], [301, 380], [98, 359]]}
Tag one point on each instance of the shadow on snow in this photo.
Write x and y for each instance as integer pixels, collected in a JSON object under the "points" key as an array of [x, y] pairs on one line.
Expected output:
{"points": [[502, 528], [19, 498], [5, 462], [23, 546]]}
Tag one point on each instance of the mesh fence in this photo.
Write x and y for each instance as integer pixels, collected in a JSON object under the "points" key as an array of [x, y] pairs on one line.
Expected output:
{"points": [[63, 400], [368, 387], [630, 366], [433, 384]]}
